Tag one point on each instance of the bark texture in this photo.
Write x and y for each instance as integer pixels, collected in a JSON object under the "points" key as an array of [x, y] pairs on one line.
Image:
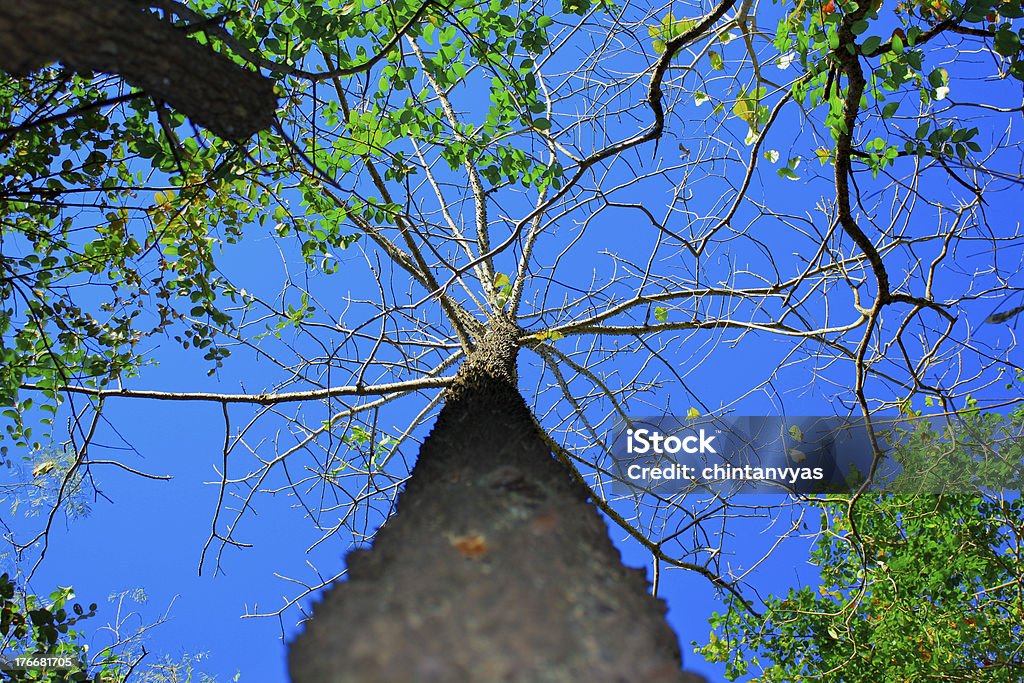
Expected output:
{"points": [[121, 37], [495, 568]]}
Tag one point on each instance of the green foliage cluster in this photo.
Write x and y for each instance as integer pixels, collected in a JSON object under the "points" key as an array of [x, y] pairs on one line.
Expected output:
{"points": [[30, 626], [92, 263], [913, 587], [114, 213], [905, 80], [33, 626]]}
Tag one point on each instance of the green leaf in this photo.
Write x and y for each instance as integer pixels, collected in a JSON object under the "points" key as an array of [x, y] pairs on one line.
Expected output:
{"points": [[716, 61], [745, 107], [1006, 42], [938, 77], [661, 314]]}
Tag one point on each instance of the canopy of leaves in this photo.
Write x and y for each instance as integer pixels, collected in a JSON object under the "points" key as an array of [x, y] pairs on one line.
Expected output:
{"points": [[913, 587], [31, 626]]}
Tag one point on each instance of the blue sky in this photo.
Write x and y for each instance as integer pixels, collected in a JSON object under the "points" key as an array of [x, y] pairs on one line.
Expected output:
{"points": [[151, 534]]}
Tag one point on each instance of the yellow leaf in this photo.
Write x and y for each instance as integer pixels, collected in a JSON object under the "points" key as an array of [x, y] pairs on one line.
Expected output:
{"points": [[43, 468], [553, 335]]}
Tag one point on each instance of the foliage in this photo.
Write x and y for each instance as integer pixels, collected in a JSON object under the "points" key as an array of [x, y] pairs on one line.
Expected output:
{"points": [[31, 626], [94, 262], [914, 587]]}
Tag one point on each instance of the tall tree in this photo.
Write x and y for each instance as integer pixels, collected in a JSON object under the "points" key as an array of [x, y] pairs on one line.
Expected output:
{"points": [[604, 187]]}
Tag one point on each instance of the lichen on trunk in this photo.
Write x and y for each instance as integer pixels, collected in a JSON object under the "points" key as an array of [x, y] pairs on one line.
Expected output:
{"points": [[495, 567]]}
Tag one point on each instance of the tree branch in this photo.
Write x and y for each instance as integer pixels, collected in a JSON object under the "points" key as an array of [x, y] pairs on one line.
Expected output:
{"points": [[122, 37], [258, 399]]}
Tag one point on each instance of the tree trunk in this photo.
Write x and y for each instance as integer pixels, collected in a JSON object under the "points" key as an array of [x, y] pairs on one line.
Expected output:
{"points": [[494, 568]]}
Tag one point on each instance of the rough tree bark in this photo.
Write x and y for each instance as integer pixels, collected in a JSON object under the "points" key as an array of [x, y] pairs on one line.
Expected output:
{"points": [[121, 37], [495, 567]]}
